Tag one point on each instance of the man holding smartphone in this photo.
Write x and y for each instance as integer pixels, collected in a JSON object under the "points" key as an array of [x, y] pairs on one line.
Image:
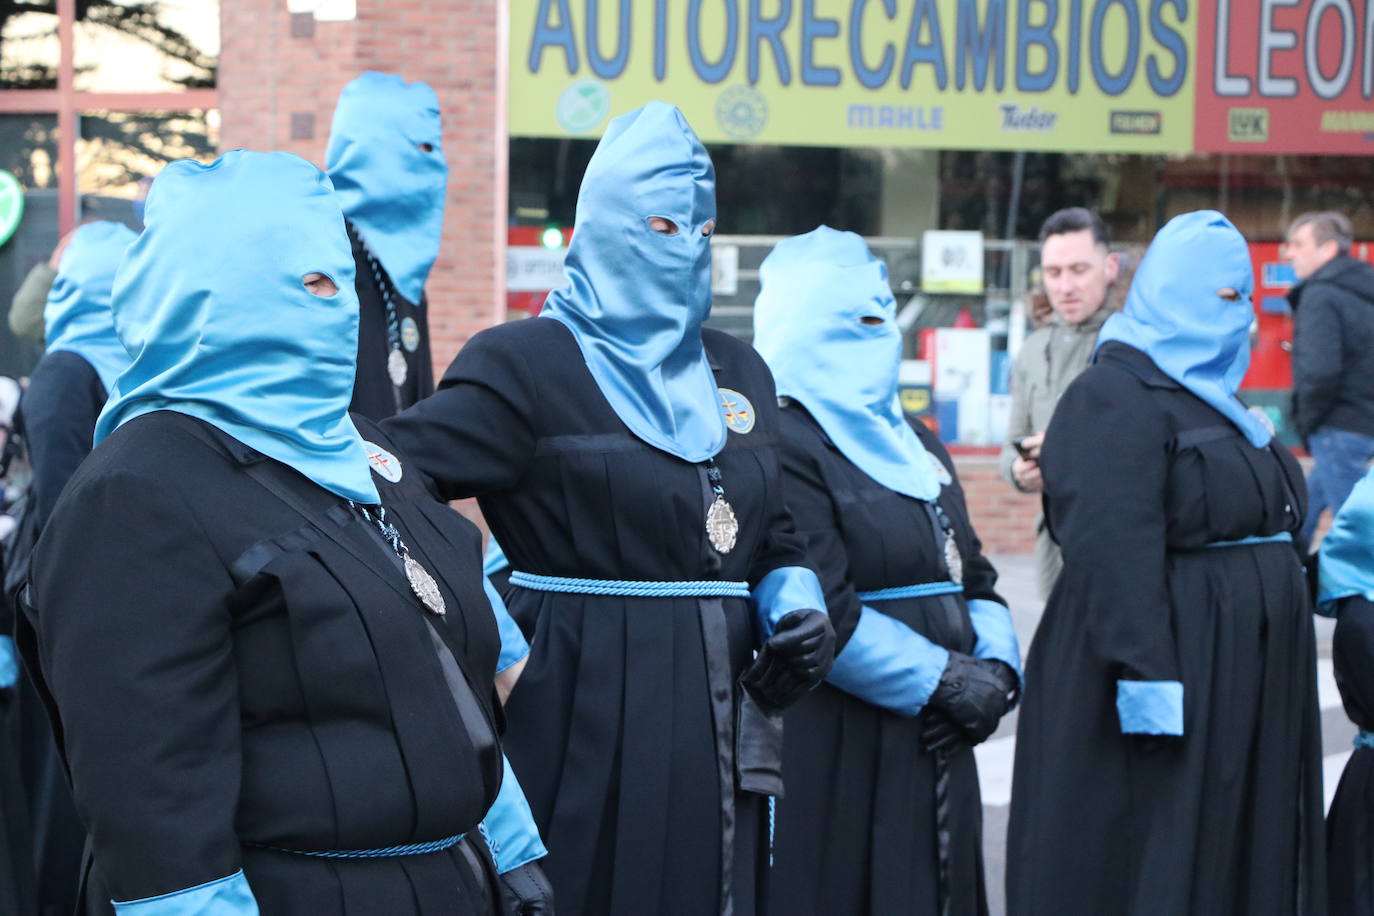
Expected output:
{"points": [[1078, 271]]}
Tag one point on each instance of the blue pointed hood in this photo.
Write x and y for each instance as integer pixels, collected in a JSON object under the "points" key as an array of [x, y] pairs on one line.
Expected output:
{"points": [[815, 289], [77, 316], [210, 306], [1174, 315], [1347, 552], [391, 189], [635, 299]]}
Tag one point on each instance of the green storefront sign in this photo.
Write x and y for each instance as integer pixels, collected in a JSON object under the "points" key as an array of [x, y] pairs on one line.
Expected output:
{"points": [[11, 205]]}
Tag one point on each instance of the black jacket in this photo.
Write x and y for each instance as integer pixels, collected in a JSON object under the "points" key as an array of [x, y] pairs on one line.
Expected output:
{"points": [[1333, 348], [60, 408]]}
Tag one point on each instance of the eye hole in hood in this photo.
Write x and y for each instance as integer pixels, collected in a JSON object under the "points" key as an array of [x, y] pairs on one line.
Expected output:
{"points": [[319, 284]]}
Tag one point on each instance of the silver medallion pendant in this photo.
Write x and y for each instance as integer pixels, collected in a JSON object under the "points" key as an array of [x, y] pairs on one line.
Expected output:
{"points": [[954, 560], [396, 367], [722, 528], [424, 586]]}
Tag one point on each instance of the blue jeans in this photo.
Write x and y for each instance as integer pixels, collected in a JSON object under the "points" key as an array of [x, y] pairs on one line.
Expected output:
{"points": [[1342, 459]]}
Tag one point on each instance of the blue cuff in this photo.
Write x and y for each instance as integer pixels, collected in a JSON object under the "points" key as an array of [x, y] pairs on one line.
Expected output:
{"points": [[1329, 605], [513, 645], [509, 827], [229, 896], [1150, 707], [782, 591], [495, 559], [996, 637], [9, 665], [888, 664]]}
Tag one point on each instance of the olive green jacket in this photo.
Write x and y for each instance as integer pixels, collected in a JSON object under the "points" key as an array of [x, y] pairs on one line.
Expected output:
{"points": [[1050, 359], [26, 311]]}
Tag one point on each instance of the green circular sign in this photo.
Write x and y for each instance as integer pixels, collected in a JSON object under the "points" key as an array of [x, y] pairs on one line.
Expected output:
{"points": [[11, 205], [583, 106]]}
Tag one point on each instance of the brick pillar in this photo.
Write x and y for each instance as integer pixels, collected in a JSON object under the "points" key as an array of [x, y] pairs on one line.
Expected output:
{"points": [[281, 73], [1003, 518]]}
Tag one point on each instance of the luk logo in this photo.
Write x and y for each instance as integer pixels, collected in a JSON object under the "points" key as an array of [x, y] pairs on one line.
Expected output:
{"points": [[1247, 125], [1136, 122]]}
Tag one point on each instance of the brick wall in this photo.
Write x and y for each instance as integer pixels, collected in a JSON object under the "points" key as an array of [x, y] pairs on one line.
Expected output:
{"points": [[281, 73], [1003, 518]]}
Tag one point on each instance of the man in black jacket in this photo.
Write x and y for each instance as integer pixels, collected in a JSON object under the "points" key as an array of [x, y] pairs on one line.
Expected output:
{"points": [[1333, 358]]}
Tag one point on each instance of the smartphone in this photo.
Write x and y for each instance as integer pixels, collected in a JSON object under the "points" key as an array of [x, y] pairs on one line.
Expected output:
{"points": [[1020, 446]]}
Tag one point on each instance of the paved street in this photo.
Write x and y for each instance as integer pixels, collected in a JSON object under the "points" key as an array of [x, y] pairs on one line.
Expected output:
{"points": [[1017, 584]]}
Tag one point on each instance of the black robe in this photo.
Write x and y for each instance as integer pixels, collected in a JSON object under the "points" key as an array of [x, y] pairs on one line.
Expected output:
{"points": [[62, 403], [1140, 475], [58, 414], [374, 395], [856, 831], [1349, 824], [620, 726], [237, 667]]}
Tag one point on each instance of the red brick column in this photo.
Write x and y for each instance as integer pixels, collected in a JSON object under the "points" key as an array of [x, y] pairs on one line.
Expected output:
{"points": [[280, 75], [1003, 518]]}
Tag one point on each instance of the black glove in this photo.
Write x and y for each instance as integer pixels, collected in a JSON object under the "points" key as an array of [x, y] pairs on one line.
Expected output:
{"points": [[526, 891], [972, 696], [795, 658]]}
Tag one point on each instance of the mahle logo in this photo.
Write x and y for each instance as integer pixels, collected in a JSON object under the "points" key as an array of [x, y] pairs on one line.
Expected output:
{"points": [[1247, 125], [583, 106], [11, 205]]}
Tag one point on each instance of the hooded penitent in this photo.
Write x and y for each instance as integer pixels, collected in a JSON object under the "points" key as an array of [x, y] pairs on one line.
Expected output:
{"points": [[209, 303], [77, 317], [636, 299], [1347, 551], [391, 187], [817, 289], [1175, 315]]}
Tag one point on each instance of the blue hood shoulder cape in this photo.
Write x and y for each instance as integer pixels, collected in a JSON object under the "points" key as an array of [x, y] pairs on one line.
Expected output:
{"points": [[636, 299], [817, 289], [1174, 315], [1346, 568], [77, 316], [390, 186], [210, 305]]}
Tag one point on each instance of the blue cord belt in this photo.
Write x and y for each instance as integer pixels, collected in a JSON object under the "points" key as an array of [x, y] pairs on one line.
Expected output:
{"points": [[1364, 738], [1280, 538], [632, 588], [924, 590], [389, 852]]}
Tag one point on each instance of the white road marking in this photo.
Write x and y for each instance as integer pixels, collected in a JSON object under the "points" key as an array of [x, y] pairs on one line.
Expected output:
{"points": [[1332, 766], [1327, 695], [994, 769]]}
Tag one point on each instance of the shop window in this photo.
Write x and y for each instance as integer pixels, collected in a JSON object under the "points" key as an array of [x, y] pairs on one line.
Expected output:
{"points": [[28, 47], [28, 148], [165, 46], [120, 149]]}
